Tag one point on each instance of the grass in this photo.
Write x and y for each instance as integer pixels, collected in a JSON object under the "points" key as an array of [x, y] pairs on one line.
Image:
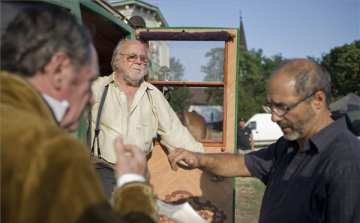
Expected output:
{"points": [[248, 196]]}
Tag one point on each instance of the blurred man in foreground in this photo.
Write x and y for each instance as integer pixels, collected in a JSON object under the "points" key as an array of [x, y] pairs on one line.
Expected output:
{"points": [[48, 65], [312, 172]]}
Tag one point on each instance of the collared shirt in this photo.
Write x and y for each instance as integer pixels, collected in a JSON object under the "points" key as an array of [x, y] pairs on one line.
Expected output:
{"points": [[59, 108], [319, 184], [150, 114]]}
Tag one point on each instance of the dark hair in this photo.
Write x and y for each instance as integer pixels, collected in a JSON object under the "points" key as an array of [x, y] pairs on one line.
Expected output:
{"points": [[36, 34], [241, 119], [309, 77]]}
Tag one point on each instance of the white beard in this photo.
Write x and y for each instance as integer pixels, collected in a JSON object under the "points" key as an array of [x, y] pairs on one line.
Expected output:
{"points": [[300, 127]]}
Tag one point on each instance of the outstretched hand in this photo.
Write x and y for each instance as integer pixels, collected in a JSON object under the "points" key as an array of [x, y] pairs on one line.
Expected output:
{"points": [[181, 156], [129, 159]]}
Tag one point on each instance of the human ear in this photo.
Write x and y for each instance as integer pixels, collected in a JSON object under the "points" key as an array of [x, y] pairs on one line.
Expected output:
{"points": [[116, 66], [319, 99], [58, 68]]}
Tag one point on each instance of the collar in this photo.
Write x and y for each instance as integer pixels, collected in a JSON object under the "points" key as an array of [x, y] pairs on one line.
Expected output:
{"points": [[59, 108], [110, 79], [327, 135], [18, 92]]}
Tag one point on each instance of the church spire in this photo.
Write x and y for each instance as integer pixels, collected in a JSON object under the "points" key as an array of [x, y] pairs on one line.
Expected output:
{"points": [[242, 34]]}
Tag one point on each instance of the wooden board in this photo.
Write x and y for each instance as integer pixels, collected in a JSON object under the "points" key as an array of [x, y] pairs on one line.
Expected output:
{"points": [[213, 200]]}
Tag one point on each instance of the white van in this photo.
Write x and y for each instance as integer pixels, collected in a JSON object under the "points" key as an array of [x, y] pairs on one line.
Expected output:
{"points": [[263, 129]]}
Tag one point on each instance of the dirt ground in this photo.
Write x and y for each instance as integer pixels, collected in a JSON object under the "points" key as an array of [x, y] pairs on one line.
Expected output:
{"points": [[248, 196]]}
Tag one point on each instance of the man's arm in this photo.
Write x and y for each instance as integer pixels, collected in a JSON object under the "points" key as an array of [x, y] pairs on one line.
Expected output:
{"points": [[171, 129], [252, 141], [227, 165]]}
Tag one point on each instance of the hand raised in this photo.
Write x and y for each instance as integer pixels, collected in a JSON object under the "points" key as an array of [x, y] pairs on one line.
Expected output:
{"points": [[129, 159]]}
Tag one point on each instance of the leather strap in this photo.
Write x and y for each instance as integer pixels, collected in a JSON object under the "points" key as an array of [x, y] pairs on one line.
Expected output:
{"points": [[97, 127]]}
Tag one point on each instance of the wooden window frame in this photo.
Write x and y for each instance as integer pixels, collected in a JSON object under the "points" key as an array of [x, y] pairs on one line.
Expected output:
{"points": [[224, 84]]}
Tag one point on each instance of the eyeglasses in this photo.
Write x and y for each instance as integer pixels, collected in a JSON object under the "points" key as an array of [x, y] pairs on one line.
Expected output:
{"points": [[134, 57], [281, 111]]}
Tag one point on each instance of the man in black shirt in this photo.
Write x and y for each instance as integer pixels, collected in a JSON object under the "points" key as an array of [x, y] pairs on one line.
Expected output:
{"points": [[312, 172], [245, 140]]}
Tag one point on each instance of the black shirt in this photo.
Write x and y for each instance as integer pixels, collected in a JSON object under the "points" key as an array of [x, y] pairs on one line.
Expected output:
{"points": [[243, 138], [320, 184]]}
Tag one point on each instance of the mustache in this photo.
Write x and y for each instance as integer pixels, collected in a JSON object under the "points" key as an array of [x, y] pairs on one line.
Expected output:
{"points": [[284, 124]]}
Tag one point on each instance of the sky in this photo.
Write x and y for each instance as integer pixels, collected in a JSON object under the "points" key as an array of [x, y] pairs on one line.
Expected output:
{"points": [[291, 28]]}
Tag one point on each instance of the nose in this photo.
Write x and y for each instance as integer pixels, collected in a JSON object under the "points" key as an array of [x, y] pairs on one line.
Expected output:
{"points": [[275, 118], [138, 61]]}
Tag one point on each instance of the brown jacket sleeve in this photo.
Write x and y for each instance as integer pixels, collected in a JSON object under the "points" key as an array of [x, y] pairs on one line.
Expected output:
{"points": [[133, 202], [80, 196]]}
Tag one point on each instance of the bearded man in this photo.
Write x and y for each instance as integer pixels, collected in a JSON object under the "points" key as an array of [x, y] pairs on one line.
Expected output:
{"points": [[312, 172], [133, 110]]}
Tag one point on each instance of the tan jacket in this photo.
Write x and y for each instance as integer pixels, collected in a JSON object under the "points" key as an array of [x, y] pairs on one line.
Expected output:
{"points": [[149, 115], [47, 175]]}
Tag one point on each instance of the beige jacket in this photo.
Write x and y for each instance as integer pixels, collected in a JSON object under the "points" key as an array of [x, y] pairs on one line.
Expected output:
{"points": [[149, 115]]}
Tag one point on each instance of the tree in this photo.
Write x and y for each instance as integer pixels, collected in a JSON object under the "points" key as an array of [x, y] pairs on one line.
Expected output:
{"points": [[180, 97], [317, 60], [254, 71], [176, 68], [215, 67], [343, 63], [214, 73]]}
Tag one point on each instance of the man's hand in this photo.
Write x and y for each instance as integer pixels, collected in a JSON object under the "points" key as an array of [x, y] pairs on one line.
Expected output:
{"points": [[191, 159], [129, 159]]}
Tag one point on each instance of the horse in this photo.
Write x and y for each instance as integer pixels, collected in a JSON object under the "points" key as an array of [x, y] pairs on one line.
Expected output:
{"points": [[195, 123]]}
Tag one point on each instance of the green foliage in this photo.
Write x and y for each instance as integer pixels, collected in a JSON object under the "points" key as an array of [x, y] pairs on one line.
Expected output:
{"points": [[176, 68], [214, 73], [214, 95], [317, 60], [343, 63], [254, 71], [215, 67], [180, 99]]}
